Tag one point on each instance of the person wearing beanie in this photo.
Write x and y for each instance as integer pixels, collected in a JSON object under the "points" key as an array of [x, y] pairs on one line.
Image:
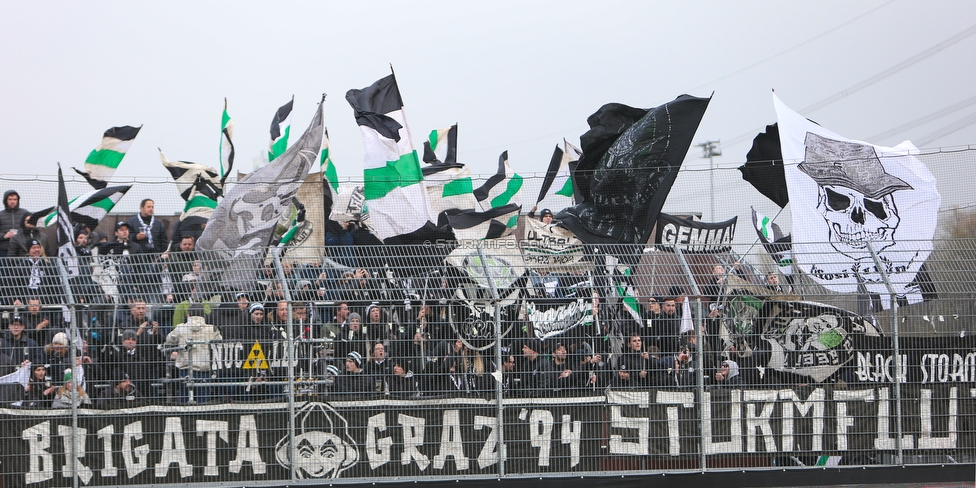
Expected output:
{"points": [[352, 338], [353, 380]]}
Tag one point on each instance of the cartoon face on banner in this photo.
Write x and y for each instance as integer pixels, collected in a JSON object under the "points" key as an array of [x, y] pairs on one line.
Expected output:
{"points": [[323, 446], [810, 339]]}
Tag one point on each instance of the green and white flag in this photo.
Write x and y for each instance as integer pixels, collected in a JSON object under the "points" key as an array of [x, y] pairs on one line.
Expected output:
{"points": [[396, 199], [441, 146], [280, 128], [558, 180], [226, 145], [326, 164], [503, 188], [88, 209], [199, 186], [102, 162]]}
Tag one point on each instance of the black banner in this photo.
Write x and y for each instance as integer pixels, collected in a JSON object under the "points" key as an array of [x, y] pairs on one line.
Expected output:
{"points": [[250, 443], [694, 236]]}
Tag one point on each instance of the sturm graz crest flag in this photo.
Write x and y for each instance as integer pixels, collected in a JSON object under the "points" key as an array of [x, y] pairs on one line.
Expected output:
{"points": [[811, 339]]}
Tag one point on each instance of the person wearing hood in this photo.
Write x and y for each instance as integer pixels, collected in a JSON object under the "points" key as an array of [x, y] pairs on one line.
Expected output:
{"points": [[11, 220], [189, 344], [728, 374]]}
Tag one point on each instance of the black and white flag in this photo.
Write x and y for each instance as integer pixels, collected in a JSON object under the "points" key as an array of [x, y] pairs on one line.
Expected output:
{"points": [[66, 233], [849, 197]]}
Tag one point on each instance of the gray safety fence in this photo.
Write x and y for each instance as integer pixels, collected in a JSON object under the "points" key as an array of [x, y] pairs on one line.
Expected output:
{"points": [[483, 360]]}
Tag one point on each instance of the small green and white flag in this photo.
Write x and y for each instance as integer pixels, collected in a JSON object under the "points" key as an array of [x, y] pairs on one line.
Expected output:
{"points": [[392, 177], [199, 186], [88, 209], [102, 162], [441, 146], [226, 145], [502, 188], [280, 129], [558, 179]]}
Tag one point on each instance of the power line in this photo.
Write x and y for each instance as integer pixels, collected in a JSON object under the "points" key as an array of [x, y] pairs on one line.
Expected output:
{"points": [[949, 129], [925, 119], [871, 80]]}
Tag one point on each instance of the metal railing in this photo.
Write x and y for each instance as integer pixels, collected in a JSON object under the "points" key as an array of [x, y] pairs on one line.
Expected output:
{"points": [[476, 365]]}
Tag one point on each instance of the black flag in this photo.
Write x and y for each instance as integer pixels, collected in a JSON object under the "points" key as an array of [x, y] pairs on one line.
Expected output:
{"points": [[630, 160], [764, 166], [66, 233]]}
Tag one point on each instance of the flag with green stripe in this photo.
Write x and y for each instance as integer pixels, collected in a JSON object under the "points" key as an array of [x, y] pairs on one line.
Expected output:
{"points": [[558, 180], [441, 146], [280, 129], [199, 186], [778, 246], [392, 177], [88, 209], [66, 232], [502, 188], [102, 162], [226, 145]]}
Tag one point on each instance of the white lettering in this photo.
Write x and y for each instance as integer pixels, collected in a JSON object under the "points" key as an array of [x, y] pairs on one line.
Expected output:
{"points": [[210, 429], [248, 447], [413, 439], [378, 454], [174, 450], [452, 445]]}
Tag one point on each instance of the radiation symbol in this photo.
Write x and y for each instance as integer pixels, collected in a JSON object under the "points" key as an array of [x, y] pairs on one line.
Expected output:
{"points": [[255, 358]]}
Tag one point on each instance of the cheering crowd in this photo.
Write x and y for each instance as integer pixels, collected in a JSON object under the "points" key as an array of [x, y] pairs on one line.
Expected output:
{"points": [[151, 329]]}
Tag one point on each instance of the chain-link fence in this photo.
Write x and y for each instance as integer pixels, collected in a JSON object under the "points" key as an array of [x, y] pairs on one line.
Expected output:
{"points": [[446, 361]]}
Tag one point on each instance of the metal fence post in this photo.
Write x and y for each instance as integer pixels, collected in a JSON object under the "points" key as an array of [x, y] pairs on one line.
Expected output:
{"points": [[499, 409], [73, 355], [896, 351], [699, 351], [289, 356]]}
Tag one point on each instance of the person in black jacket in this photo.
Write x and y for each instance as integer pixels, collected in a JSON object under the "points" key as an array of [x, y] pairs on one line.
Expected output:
{"points": [[11, 220]]}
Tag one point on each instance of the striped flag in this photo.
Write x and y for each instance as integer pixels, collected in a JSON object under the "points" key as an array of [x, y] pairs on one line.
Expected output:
{"points": [[490, 224], [441, 146], [280, 128], [88, 209], [199, 186], [396, 199], [102, 162], [66, 232], [558, 180], [226, 145], [503, 188]]}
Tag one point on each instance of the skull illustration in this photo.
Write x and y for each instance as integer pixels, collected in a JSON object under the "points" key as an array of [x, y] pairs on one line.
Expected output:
{"points": [[854, 218]]}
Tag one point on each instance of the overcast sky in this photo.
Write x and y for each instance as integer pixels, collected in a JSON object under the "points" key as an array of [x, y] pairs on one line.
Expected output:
{"points": [[513, 75]]}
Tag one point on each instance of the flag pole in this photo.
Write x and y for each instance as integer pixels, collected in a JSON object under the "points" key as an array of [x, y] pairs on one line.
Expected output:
{"points": [[325, 181]]}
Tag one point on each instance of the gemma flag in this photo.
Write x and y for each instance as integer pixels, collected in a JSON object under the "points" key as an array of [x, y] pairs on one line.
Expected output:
{"points": [[848, 197]]}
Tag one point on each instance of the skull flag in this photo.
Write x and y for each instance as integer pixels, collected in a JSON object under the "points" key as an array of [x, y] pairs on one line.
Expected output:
{"points": [[848, 198]]}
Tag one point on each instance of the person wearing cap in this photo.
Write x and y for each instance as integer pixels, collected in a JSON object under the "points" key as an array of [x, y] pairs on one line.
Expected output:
{"points": [[189, 345], [125, 254], [353, 379], [72, 390], [40, 390], [17, 348], [11, 220]]}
